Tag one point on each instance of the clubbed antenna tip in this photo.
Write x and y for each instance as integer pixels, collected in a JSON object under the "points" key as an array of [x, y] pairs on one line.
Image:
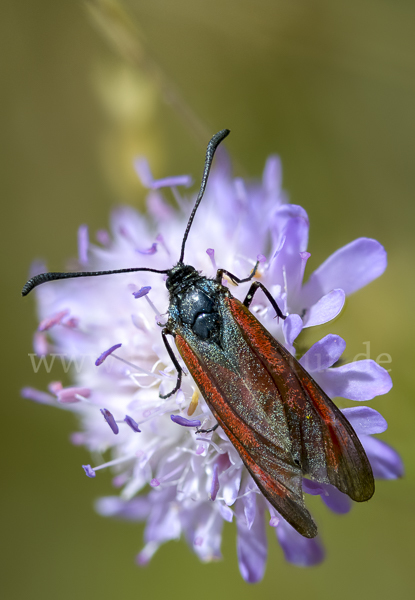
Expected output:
{"points": [[210, 152]]}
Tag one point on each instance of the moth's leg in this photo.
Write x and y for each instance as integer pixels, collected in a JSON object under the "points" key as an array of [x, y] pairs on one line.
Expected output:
{"points": [[214, 428], [221, 272], [251, 293], [175, 363]]}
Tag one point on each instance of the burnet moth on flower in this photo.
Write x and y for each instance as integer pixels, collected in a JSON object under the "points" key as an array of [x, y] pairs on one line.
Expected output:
{"points": [[279, 420]]}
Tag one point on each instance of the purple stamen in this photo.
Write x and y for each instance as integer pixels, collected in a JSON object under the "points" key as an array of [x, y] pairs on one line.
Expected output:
{"points": [[105, 354], [142, 168], [274, 521], [211, 253], [214, 488], [184, 180], [89, 471], [142, 291], [148, 251], [154, 482], [109, 419], [36, 395], [261, 258], [130, 421], [185, 422]]}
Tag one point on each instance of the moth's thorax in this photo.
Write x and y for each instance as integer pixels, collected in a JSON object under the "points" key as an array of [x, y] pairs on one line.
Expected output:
{"points": [[194, 303]]}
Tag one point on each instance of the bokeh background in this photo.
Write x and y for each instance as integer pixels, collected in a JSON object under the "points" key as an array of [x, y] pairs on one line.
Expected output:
{"points": [[329, 86]]}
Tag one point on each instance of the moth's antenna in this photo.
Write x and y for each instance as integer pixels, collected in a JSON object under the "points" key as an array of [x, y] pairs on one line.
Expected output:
{"points": [[210, 152], [44, 277]]}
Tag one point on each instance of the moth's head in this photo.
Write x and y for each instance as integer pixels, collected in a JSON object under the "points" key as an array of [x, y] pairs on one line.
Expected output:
{"points": [[179, 274]]}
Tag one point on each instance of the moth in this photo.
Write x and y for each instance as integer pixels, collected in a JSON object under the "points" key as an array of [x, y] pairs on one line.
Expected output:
{"points": [[279, 420]]}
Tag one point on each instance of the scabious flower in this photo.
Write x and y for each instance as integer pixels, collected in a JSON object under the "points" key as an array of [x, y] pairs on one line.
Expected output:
{"points": [[109, 328]]}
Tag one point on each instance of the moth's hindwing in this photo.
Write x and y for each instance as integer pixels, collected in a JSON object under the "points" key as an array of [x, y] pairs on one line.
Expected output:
{"points": [[330, 450]]}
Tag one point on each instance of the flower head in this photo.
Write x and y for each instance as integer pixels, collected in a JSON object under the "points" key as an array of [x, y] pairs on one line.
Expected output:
{"points": [[109, 327]]}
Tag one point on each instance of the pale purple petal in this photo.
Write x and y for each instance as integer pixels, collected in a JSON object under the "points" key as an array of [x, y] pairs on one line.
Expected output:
{"points": [[163, 523], [40, 344], [142, 168], [286, 268], [83, 244], [298, 550], [249, 502], [136, 509], [225, 512], [272, 176], [37, 267], [292, 327], [252, 548], [71, 395], [103, 237], [203, 530], [335, 500], [323, 354], [158, 208], [349, 268], [287, 212], [312, 487], [326, 309], [105, 354], [55, 386], [365, 420], [214, 486], [386, 462], [230, 482], [55, 319], [146, 554], [361, 380], [274, 521]]}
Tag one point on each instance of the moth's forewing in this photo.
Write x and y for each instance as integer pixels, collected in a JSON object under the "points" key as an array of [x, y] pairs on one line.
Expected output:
{"points": [[243, 397], [322, 438]]}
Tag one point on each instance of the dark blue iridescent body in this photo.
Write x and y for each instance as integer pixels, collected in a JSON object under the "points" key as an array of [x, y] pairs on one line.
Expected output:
{"points": [[194, 303]]}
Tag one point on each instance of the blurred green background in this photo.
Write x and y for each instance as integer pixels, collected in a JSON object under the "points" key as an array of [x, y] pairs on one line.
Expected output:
{"points": [[328, 85]]}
